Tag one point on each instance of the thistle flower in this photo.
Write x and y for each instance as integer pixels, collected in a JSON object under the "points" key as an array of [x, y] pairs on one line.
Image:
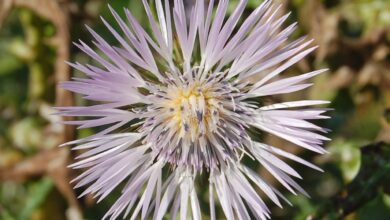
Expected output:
{"points": [[183, 102]]}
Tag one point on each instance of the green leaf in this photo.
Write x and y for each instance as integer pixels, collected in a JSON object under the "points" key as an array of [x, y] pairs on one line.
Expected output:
{"points": [[37, 194]]}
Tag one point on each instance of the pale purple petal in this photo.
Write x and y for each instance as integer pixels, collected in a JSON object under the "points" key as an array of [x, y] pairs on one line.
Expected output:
{"points": [[191, 114]]}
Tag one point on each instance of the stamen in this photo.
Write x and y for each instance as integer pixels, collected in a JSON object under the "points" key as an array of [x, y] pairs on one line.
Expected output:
{"points": [[192, 122]]}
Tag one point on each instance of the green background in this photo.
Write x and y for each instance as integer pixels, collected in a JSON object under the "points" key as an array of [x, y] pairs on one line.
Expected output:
{"points": [[354, 43]]}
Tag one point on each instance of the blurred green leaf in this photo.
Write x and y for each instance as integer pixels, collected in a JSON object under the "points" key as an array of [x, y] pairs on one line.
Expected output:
{"points": [[37, 194], [373, 177], [5, 215], [27, 134], [347, 155], [376, 209]]}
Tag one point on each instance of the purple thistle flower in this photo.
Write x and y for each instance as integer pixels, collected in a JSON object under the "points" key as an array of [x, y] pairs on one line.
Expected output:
{"points": [[187, 97]]}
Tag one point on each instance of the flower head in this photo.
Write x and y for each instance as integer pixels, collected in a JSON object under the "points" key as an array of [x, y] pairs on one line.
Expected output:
{"points": [[182, 101]]}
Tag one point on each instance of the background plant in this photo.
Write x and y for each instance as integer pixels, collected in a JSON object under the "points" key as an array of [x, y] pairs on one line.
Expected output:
{"points": [[354, 40]]}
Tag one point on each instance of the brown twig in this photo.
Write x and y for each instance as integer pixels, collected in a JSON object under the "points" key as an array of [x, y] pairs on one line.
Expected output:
{"points": [[51, 162], [5, 8]]}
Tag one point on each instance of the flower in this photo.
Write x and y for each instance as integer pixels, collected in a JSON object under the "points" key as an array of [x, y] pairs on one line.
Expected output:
{"points": [[183, 102]]}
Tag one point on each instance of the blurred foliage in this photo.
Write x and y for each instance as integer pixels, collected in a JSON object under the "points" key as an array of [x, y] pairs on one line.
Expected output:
{"points": [[354, 43]]}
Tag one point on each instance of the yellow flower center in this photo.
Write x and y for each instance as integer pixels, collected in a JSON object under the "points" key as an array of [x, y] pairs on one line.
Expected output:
{"points": [[191, 109]]}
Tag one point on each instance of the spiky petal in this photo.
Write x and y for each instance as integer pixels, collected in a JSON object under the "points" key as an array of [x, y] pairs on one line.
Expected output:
{"points": [[184, 101]]}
